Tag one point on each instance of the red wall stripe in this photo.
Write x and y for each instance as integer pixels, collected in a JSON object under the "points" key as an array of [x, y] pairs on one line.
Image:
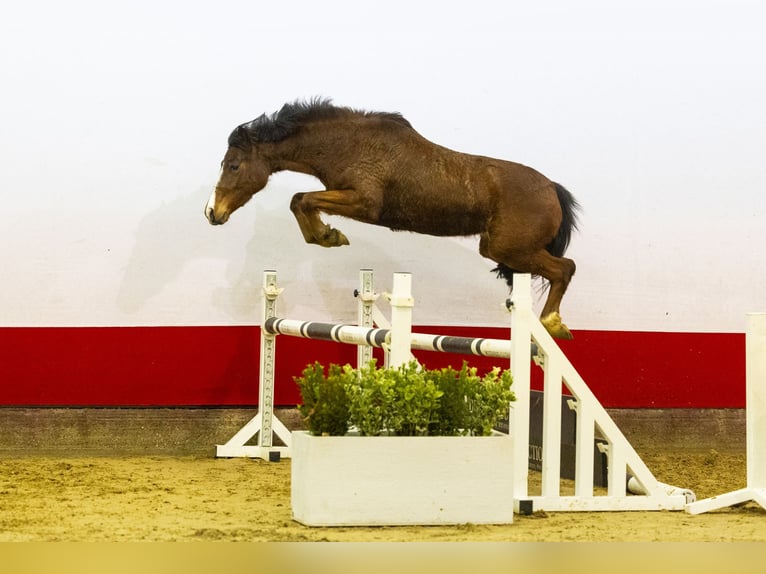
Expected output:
{"points": [[218, 366], [661, 370]]}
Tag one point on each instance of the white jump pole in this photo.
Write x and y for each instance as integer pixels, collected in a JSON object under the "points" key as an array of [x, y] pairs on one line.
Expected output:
{"points": [[518, 424], [401, 320], [755, 404]]}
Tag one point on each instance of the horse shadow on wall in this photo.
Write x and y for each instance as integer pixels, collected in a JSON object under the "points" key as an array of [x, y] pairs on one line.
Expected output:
{"points": [[174, 243]]}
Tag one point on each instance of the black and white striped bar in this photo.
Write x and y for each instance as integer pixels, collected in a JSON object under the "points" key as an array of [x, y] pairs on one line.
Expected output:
{"points": [[355, 335], [462, 345], [337, 332]]}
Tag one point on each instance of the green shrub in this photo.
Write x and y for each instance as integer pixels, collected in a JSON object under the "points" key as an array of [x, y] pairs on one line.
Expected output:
{"points": [[407, 401], [371, 395], [489, 400], [471, 404], [325, 403]]}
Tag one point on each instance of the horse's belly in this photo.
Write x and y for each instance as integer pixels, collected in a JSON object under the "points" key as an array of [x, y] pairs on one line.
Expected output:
{"points": [[443, 218]]}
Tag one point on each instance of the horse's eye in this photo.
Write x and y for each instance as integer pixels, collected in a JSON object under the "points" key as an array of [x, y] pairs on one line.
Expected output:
{"points": [[233, 167]]}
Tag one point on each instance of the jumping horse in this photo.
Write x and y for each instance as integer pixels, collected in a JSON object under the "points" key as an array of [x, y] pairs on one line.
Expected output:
{"points": [[377, 169]]}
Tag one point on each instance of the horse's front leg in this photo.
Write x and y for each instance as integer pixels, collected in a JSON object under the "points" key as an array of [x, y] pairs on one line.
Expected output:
{"points": [[307, 206]]}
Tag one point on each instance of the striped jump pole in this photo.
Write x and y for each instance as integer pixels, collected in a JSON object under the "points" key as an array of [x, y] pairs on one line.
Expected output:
{"points": [[380, 338], [337, 332]]}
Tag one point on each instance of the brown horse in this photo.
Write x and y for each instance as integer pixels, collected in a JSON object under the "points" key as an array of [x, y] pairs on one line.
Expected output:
{"points": [[377, 169]]}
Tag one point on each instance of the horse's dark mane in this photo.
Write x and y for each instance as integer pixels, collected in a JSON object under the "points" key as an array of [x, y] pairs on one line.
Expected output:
{"points": [[292, 116]]}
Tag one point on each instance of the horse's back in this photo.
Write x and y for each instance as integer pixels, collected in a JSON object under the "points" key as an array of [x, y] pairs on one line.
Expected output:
{"points": [[427, 188]]}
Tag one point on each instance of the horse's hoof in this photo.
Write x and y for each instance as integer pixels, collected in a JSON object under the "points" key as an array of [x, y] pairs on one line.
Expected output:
{"points": [[555, 327], [333, 238], [340, 239]]}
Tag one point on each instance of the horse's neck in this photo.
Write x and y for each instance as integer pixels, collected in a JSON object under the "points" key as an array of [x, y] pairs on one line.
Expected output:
{"points": [[301, 155], [293, 164]]}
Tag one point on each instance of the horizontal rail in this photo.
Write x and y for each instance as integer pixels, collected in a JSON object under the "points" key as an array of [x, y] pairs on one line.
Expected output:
{"points": [[462, 345], [338, 332], [373, 337]]}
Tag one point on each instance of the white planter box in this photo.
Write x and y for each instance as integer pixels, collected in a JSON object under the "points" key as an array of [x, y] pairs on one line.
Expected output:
{"points": [[352, 480]]}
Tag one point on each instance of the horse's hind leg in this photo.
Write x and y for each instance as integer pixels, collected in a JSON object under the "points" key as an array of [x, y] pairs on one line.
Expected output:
{"points": [[557, 270]]}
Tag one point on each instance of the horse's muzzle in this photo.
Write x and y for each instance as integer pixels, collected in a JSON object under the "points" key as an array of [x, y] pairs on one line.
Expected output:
{"points": [[210, 212], [210, 215], [216, 220]]}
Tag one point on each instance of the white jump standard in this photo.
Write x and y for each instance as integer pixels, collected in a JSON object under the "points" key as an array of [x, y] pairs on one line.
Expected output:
{"points": [[528, 335], [264, 424], [755, 404], [622, 459]]}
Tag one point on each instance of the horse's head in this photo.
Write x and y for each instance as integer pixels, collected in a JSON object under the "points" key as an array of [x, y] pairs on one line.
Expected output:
{"points": [[243, 174]]}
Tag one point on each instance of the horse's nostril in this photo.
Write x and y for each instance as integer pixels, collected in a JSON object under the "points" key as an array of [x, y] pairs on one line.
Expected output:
{"points": [[212, 219]]}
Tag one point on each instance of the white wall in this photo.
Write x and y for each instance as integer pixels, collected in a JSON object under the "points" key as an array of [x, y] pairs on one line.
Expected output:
{"points": [[114, 118]]}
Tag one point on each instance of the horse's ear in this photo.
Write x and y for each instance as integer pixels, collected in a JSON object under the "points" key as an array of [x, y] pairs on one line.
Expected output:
{"points": [[242, 132], [240, 138]]}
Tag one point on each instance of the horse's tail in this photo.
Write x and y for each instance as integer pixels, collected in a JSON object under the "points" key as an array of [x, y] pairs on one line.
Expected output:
{"points": [[569, 209]]}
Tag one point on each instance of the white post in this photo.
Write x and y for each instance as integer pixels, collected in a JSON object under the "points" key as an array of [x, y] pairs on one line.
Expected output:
{"points": [[584, 439], [755, 345], [755, 403], [521, 346], [264, 424], [365, 299], [268, 353], [551, 465], [401, 319]]}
